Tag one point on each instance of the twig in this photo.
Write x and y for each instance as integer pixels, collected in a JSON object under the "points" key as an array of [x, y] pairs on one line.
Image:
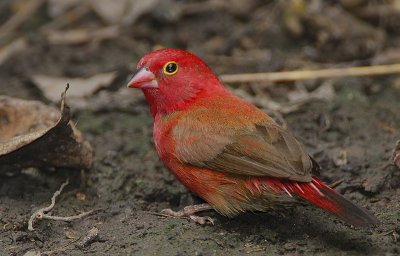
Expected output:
{"points": [[14, 47], [66, 18], [158, 214], [43, 212], [166, 215], [66, 219], [387, 233], [79, 36], [312, 74], [20, 17], [336, 183], [396, 155], [326, 123], [92, 236]]}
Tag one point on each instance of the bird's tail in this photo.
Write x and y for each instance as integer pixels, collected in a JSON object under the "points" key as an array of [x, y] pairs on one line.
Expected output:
{"points": [[328, 199]]}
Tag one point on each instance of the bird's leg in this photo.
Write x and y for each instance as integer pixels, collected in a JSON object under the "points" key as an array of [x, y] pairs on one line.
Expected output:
{"points": [[189, 211]]}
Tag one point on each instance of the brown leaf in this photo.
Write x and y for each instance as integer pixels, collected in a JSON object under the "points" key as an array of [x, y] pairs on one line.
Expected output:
{"points": [[340, 157], [374, 183], [81, 87], [71, 234], [35, 135], [122, 11]]}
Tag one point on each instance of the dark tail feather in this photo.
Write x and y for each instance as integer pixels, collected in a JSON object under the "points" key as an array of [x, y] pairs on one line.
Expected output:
{"points": [[328, 199], [324, 197]]}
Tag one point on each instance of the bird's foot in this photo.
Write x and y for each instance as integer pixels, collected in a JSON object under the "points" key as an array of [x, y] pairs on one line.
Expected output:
{"points": [[189, 211]]}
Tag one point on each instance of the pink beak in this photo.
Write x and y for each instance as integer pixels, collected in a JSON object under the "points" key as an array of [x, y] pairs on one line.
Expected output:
{"points": [[143, 78]]}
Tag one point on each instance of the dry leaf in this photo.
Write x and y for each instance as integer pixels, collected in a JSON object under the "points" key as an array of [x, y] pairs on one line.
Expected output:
{"points": [[80, 196], [339, 158], [374, 183], [299, 94], [122, 11], [35, 135], [324, 92], [80, 87], [71, 234]]}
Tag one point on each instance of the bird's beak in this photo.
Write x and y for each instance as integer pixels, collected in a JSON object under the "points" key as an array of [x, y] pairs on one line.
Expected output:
{"points": [[143, 78]]}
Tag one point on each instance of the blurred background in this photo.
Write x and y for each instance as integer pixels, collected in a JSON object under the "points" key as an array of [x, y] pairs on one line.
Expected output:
{"points": [[71, 38], [349, 124]]}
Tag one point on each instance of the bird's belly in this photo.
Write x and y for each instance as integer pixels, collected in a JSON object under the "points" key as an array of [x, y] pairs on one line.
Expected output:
{"points": [[228, 195]]}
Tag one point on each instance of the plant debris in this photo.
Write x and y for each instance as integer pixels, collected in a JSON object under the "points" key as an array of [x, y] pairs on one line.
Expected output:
{"points": [[35, 135], [43, 213], [396, 155], [81, 87], [91, 237]]}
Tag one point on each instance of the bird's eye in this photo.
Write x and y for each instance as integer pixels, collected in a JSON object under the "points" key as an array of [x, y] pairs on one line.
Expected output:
{"points": [[170, 68]]}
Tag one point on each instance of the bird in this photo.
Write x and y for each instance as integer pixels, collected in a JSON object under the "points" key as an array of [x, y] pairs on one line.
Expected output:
{"points": [[226, 150]]}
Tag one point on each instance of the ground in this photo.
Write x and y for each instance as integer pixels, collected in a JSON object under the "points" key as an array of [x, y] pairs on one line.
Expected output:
{"points": [[351, 135]]}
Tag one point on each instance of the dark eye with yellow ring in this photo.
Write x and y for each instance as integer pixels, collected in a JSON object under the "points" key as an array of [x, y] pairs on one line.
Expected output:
{"points": [[170, 68]]}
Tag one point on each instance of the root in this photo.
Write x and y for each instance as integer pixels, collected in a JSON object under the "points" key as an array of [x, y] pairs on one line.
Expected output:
{"points": [[43, 213]]}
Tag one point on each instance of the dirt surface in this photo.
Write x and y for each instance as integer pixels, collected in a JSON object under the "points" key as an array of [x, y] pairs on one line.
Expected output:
{"points": [[351, 135]]}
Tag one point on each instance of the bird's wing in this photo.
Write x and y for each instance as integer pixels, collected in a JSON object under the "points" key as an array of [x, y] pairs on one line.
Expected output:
{"points": [[253, 149]]}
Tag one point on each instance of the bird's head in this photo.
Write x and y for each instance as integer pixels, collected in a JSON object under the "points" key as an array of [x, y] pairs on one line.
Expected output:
{"points": [[173, 79]]}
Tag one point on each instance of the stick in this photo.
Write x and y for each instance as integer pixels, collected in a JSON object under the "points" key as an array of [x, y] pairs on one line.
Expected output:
{"points": [[79, 36], [43, 212], [66, 219], [396, 155], [336, 183], [8, 51], [20, 17], [91, 237], [312, 74]]}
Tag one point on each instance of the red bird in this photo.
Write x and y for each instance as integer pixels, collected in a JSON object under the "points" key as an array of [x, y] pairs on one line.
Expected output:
{"points": [[226, 150]]}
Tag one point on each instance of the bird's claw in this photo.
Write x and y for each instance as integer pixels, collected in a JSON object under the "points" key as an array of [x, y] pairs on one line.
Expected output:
{"points": [[202, 220]]}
